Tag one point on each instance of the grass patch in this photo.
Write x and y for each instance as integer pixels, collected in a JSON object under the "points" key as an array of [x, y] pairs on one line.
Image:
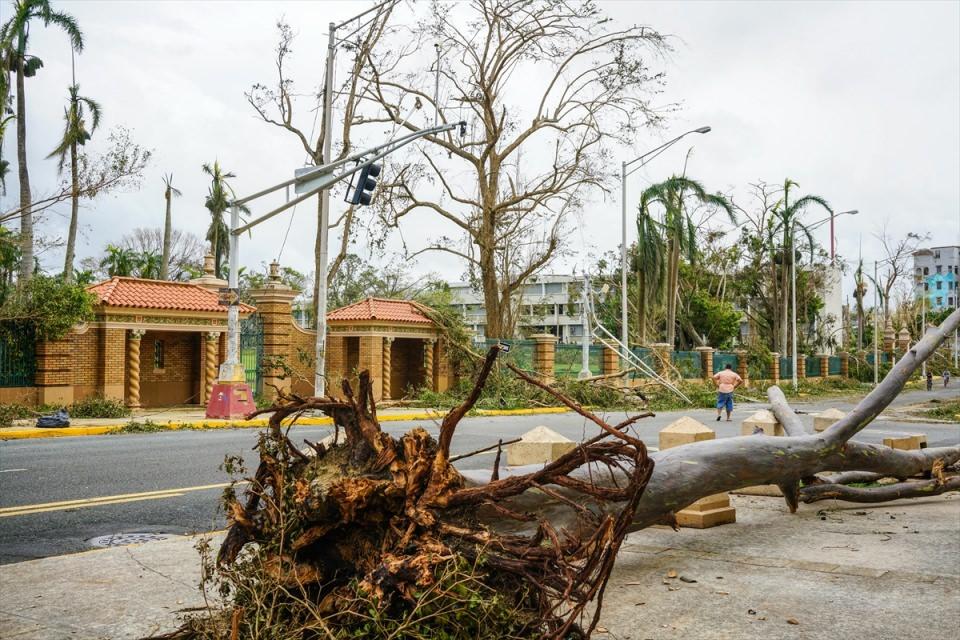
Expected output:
{"points": [[949, 410]]}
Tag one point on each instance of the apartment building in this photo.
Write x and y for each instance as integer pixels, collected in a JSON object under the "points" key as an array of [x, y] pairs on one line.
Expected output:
{"points": [[937, 276], [545, 306]]}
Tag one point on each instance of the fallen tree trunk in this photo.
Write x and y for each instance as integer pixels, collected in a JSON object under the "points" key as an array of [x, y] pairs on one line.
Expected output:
{"points": [[382, 533]]}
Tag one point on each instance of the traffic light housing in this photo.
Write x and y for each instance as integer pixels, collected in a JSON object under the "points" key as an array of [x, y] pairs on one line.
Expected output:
{"points": [[362, 193]]}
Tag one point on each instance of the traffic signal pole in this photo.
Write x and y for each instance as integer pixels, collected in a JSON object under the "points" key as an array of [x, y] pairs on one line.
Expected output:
{"points": [[308, 182]]}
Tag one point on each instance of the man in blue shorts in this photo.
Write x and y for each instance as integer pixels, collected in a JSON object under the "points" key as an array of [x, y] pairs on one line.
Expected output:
{"points": [[726, 380]]}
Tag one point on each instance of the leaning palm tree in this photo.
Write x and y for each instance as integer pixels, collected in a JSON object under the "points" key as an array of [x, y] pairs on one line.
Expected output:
{"points": [[786, 214], [169, 193], [14, 36], [76, 132], [649, 264], [679, 230], [220, 197]]}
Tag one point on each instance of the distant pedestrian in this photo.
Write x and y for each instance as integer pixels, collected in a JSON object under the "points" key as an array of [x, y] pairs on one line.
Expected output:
{"points": [[929, 381], [946, 378], [726, 380]]}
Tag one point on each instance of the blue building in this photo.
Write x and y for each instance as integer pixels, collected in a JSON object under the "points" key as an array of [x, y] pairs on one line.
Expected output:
{"points": [[937, 276]]}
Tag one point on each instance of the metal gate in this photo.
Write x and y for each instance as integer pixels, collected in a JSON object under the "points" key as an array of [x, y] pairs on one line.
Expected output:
{"points": [[251, 351]]}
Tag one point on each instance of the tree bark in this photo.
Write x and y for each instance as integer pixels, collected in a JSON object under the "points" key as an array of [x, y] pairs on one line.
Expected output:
{"points": [[74, 214], [167, 232], [26, 214]]}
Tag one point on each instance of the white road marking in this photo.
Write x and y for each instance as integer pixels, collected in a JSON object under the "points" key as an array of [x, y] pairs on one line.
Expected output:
{"points": [[11, 470]]}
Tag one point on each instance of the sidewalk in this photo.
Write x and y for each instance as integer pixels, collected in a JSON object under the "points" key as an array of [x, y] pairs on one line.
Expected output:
{"points": [[833, 571], [179, 418]]}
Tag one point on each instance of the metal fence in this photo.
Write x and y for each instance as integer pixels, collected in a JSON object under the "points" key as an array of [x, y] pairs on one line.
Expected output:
{"points": [[786, 367], [688, 363], [520, 354], [18, 361], [813, 366], [721, 360], [569, 360], [834, 368]]}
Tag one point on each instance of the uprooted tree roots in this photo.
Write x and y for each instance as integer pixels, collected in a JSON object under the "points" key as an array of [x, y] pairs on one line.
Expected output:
{"points": [[383, 537], [381, 531]]}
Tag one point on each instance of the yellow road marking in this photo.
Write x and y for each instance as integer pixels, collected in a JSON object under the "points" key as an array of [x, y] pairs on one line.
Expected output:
{"points": [[103, 500]]}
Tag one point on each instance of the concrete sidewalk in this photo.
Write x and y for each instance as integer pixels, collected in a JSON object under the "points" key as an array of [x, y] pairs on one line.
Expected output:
{"points": [[174, 419], [834, 571]]}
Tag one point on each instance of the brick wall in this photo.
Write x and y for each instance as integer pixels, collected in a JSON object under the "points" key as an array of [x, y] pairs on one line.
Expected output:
{"points": [[86, 363], [178, 382]]}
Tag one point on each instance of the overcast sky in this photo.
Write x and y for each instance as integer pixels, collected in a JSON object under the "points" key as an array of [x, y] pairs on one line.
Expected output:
{"points": [[857, 102]]}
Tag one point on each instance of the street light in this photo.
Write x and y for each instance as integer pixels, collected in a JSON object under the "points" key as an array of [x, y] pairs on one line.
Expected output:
{"points": [[624, 332], [793, 280], [833, 252]]}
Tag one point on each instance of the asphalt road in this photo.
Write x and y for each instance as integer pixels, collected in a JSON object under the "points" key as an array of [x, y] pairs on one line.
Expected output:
{"points": [[171, 482]]}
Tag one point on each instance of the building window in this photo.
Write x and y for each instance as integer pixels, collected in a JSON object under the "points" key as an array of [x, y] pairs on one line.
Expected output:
{"points": [[939, 268], [926, 271], [158, 353], [926, 286], [939, 301], [936, 253], [950, 302], [939, 285]]}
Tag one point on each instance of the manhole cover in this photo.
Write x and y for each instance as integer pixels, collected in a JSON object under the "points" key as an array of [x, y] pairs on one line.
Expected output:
{"points": [[122, 539]]}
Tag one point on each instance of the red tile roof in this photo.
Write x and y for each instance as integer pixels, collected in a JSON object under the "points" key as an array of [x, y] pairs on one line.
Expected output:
{"points": [[402, 311], [158, 294]]}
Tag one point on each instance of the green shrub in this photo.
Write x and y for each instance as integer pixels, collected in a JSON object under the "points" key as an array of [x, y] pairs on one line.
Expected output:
{"points": [[134, 426], [98, 407], [15, 411]]}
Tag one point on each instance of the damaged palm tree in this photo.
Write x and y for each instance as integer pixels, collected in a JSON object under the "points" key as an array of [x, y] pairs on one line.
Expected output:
{"points": [[383, 537], [380, 519]]}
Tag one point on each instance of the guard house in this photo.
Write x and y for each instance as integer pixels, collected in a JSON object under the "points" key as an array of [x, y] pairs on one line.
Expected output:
{"points": [[393, 339], [152, 342]]}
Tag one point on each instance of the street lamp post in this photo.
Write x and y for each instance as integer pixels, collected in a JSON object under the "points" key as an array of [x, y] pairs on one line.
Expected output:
{"points": [[876, 322], [793, 280], [624, 331]]}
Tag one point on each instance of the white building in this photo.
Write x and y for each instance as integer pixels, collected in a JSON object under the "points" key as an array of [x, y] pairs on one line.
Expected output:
{"points": [[937, 276], [545, 307]]}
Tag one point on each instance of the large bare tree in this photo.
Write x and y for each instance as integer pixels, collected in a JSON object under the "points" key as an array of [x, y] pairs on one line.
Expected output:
{"points": [[547, 88], [277, 105], [897, 252]]}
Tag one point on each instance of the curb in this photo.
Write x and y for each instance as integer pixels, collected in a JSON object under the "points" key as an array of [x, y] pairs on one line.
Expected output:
{"points": [[96, 430]]}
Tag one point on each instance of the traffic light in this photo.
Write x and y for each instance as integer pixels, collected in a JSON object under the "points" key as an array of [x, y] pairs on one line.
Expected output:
{"points": [[366, 183]]}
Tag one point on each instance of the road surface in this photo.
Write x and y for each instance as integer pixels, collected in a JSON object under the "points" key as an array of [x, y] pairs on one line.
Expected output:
{"points": [[58, 494]]}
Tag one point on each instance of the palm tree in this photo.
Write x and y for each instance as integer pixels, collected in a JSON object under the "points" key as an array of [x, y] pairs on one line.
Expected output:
{"points": [[75, 133], [169, 193], [220, 197], [679, 230], [787, 216], [14, 36], [119, 261], [148, 265], [650, 266]]}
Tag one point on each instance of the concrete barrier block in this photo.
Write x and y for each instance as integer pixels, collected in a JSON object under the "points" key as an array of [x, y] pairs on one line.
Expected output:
{"points": [[907, 442], [538, 446], [684, 431], [826, 418], [764, 420]]}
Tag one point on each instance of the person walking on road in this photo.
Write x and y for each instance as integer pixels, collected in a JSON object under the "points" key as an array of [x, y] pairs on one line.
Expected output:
{"points": [[946, 378], [726, 380], [929, 381]]}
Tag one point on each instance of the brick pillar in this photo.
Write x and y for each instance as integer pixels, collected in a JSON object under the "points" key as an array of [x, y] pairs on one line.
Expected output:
{"points": [[54, 375], [889, 337], [371, 359], [544, 354], [385, 370], [844, 364], [775, 367], [611, 360], [442, 364], [111, 365], [661, 357], [707, 512], [274, 307], [428, 374], [133, 367], [742, 370], [706, 361], [800, 366], [211, 341], [824, 365], [903, 340]]}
